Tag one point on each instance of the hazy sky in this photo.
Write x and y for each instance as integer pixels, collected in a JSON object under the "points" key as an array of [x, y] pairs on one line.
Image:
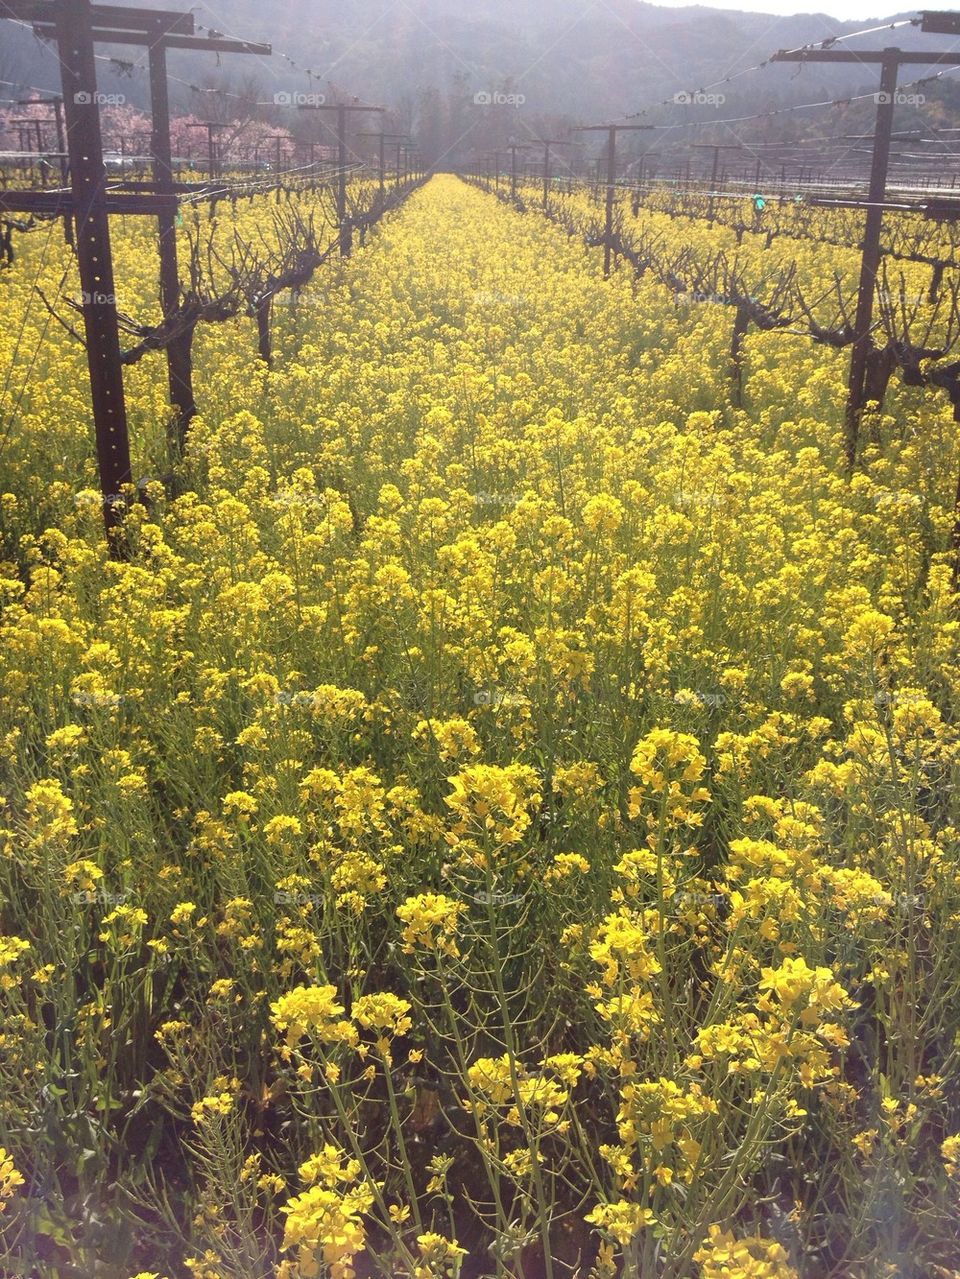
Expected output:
{"points": [[848, 10]]}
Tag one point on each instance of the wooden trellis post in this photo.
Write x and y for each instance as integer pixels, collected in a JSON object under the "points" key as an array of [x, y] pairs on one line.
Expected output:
{"points": [[75, 26], [889, 61], [611, 131]]}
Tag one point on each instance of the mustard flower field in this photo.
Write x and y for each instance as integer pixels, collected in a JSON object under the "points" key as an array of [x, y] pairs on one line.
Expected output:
{"points": [[500, 821]]}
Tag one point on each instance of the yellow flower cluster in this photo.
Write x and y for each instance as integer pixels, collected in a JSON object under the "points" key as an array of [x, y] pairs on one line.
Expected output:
{"points": [[668, 766], [723, 1257], [504, 1083], [622, 1220], [326, 1229], [493, 801], [10, 1179], [312, 1011], [430, 920], [324, 1224]]}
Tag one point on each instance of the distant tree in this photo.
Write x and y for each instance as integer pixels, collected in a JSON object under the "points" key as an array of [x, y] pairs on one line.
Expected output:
{"points": [[124, 126]]}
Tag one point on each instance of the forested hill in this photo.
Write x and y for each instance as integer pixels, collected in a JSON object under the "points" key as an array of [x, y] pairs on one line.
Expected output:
{"points": [[569, 60]]}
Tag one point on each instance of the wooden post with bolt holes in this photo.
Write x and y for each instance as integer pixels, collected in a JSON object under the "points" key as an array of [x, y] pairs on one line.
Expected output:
{"points": [[74, 27], [890, 61], [641, 169], [57, 101], [716, 148], [158, 38], [408, 153], [383, 139], [342, 170], [496, 171], [278, 140], [381, 159], [179, 373], [213, 149], [342, 109], [513, 148], [611, 131], [547, 143], [160, 32], [940, 209], [940, 22], [37, 127], [23, 128]]}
